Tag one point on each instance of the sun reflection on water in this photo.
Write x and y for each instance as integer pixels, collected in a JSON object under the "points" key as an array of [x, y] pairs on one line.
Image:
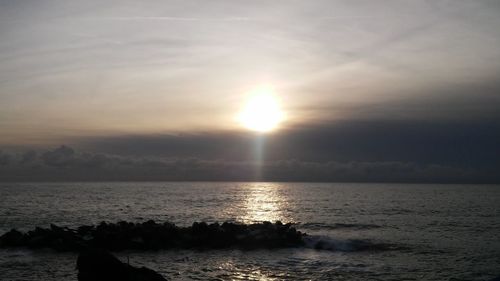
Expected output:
{"points": [[239, 272], [265, 202]]}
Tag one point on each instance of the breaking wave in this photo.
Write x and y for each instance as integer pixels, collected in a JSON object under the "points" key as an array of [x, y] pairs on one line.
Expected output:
{"points": [[319, 225], [320, 242]]}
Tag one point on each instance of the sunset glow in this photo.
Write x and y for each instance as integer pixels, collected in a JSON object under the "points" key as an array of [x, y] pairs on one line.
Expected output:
{"points": [[251, 140]]}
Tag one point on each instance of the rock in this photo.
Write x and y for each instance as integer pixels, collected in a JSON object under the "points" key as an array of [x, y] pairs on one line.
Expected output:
{"points": [[153, 236], [99, 265], [13, 238]]}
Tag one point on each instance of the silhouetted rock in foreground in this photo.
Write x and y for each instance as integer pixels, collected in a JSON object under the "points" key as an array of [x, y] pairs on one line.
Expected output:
{"points": [[154, 236], [99, 265]]}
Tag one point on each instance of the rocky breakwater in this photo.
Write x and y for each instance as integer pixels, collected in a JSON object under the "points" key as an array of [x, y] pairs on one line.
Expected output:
{"points": [[155, 236]]}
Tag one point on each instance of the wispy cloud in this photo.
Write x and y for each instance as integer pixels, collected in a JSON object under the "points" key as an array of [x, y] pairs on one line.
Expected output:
{"points": [[167, 18]]}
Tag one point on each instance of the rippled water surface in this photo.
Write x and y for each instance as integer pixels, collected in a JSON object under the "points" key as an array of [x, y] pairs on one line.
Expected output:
{"points": [[437, 232]]}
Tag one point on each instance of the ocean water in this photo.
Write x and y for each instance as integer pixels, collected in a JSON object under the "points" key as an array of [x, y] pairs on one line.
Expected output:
{"points": [[435, 232]]}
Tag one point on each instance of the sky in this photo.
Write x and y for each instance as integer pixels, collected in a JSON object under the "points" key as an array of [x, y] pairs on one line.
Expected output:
{"points": [[151, 90]]}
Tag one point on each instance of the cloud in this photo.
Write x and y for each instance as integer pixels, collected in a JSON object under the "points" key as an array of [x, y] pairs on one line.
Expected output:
{"points": [[4, 159], [450, 143], [28, 157], [366, 172], [163, 18], [67, 164], [60, 157]]}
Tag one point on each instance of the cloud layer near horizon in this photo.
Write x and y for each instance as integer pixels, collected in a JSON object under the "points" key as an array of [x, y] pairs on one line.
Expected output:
{"points": [[351, 151], [66, 164]]}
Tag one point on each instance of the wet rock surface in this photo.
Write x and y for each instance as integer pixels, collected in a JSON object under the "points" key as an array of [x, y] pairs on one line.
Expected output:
{"points": [[155, 236], [100, 265]]}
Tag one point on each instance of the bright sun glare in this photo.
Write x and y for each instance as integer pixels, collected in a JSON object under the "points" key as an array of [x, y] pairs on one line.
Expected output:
{"points": [[262, 112]]}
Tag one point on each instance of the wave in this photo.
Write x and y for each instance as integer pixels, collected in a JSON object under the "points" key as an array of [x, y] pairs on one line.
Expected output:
{"points": [[15, 257], [319, 225], [320, 242]]}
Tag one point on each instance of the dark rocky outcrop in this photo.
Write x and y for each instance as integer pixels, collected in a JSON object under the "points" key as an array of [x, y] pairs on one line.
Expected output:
{"points": [[100, 265], [154, 236]]}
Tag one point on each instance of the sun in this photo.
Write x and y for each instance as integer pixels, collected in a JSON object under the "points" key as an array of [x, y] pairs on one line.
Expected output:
{"points": [[262, 112]]}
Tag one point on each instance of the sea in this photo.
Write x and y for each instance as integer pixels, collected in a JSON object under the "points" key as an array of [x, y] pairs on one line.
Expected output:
{"points": [[423, 231]]}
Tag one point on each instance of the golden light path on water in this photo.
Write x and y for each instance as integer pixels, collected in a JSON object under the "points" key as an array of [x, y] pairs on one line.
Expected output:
{"points": [[250, 273], [265, 202]]}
